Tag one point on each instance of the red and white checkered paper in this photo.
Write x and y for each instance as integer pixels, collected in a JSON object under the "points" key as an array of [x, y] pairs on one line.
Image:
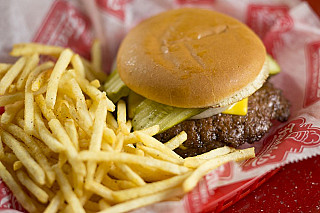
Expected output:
{"points": [[289, 29]]}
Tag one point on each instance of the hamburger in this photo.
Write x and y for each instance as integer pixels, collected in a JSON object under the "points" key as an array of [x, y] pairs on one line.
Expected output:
{"points": [[201, 72]]}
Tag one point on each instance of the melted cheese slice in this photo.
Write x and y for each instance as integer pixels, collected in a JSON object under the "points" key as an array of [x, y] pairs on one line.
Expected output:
{"points": [[239, 108]]}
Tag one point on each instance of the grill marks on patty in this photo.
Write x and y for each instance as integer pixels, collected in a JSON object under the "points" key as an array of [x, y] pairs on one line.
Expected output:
{"points": [[264, 105]]}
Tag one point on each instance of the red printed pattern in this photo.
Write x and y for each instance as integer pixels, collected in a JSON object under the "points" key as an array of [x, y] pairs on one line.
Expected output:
{"points": [[7, 200], [202, 194], [269, 22], [180, 2], [261, 18], [312, 92], [66, 26], [113, 7], [292, 138]]}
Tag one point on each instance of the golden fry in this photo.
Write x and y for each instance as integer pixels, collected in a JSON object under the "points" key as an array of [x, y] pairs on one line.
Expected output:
{"points": [[209, 165], [132, 159], [29, 97], [59, 68], [46, 135], [55, 203], [22, 154], [11, 74], [78, 65], [144, 201], [31, 48], [31, 63], [21, 196], [177, 140], [40, 194], [67, 191], [11, 98]]}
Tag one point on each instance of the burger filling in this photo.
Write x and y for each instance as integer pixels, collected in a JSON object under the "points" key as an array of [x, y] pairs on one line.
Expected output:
{"points": [[266, 105]]}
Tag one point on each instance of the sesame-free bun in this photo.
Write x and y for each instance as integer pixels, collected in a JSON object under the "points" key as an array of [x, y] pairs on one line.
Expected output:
{"points": [[192, 58]]}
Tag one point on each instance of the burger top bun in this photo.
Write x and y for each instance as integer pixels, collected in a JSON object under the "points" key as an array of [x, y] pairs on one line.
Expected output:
{"points": [[192, 58]]}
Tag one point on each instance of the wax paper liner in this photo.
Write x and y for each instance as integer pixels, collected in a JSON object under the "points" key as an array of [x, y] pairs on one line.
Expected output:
{"points": [[290, 31]]}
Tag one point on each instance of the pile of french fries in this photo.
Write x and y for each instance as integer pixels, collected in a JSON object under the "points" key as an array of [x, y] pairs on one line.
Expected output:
{"points": [[65, 147]]}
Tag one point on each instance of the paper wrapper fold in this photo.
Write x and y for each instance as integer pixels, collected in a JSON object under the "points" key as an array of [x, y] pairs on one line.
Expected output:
{"points": [[289, 29]]}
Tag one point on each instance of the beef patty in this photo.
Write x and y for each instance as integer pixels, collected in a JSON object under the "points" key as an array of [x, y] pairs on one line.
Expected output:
{"points": [[265, 105]]}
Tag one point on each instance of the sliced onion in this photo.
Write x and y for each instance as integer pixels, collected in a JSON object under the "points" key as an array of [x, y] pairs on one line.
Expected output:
{"points": [[209, 112]]}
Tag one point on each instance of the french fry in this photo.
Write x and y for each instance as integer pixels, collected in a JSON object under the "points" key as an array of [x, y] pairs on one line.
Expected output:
{"points": [[11, 74], [17, 165], [238, 155], [132, 138], [111, 122], [144, 201], [116, 184], [67, 191], [93, 92], [46, 135], [75, 116], [31, 48], [97, 133], [194, 162], [35, 150], [59, 68], [132, 193], [28, 162], [108, 135], [78, 181], [4, 68], [29, 98], [10, 112], [48, 113], [149, 141], [40, 194], [176, 141], [11, 98], [160, 155], [131, 175], [121, 115], [81, 105], [72, 132], [103, 156], [55, 203], [42, 89], [21, 196], [78, 65], [95, 83], [71, 152], [102, 170], [100, 189], [12, 88], [31, 63], [103, 204], [39, 81], [117, 146]]}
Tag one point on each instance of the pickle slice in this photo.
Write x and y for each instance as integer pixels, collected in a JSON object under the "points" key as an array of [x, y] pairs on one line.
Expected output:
{"points": [[274, 67], [133, 101], [115, 87], [149, 113]]}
